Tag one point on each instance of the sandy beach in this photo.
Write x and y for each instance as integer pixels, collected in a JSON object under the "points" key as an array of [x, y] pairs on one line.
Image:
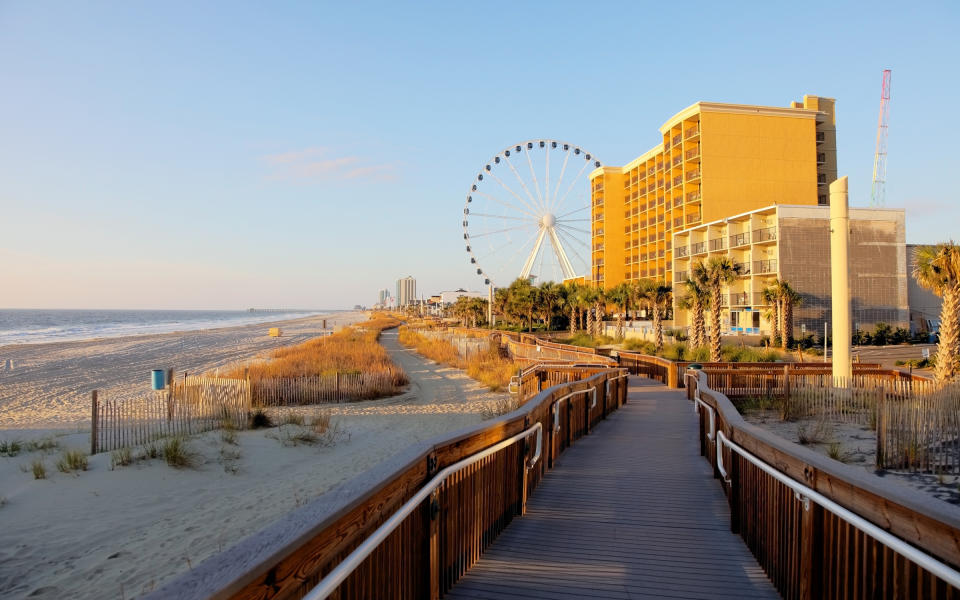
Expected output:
{"points": [[120, 533], [50, 384]]}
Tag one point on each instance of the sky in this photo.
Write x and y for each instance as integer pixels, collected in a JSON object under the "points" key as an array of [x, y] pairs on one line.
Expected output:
{"points": [[222, 155]]}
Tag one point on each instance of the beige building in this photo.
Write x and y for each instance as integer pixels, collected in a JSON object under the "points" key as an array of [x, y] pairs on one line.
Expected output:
{"points": [[792, 243]]}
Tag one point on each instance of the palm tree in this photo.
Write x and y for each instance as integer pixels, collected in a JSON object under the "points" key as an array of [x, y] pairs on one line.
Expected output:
{"points": [[937, 268], [599, 302], [716, 273], [788, 299], [619, 295], [659, 297], [588, 297], [697, 299], [522, 301], [572, 302], [771, 296], [640, 292], [551, 295], [501, 302]]}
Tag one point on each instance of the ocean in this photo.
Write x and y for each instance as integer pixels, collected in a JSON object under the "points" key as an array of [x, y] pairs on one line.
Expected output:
{"points": [[27, 326]]}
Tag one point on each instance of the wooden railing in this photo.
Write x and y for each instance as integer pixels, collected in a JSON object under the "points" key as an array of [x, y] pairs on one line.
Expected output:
{"points": [[433, 546], [819, 528]]}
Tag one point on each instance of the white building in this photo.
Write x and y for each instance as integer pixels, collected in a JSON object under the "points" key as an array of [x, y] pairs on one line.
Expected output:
{"points": [[406, 291], [451, 297]]}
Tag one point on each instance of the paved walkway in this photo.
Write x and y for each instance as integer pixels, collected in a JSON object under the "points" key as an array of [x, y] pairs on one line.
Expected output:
{"points": [[632, 511]]}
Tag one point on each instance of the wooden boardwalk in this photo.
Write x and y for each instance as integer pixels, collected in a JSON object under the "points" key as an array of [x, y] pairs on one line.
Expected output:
{"points": [[632, 511]]}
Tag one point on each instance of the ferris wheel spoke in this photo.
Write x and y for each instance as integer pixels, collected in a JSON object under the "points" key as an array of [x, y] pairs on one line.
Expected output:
{"points": [[489, 216], [574, 229], [536, 184], [507, 204], [576, 210], [546, 181], [572, 183], [573, 221], [530, 208], [479, 235], [563, 170], [536, 238], [523, 184]]}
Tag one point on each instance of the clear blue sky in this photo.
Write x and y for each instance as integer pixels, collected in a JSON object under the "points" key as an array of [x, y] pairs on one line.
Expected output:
{"points": [[225, 155]]}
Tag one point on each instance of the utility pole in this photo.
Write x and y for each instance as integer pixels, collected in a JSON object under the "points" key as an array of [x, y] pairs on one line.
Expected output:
{"points": [[840, 281]]}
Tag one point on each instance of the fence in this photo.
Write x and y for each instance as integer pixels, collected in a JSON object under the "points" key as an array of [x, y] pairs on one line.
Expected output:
{"points": [[321, 389], [444, 503], [193, 405], [918, 427], [819, 528]]}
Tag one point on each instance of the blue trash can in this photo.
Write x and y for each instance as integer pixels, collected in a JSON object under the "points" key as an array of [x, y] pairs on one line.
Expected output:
{"points": [[158, 379]]}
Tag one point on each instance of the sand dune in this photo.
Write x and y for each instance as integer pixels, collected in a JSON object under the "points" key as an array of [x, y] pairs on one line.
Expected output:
{"points": [[120, 533]]}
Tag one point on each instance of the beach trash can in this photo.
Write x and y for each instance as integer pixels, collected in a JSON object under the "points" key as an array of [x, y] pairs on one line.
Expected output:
{"points": [[157, 378], [695, 367], [275, 332]]}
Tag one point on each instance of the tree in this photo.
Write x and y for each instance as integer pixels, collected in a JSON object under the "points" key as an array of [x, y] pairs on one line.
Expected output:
{"points": [[789, 298], [771, 296], [619, 295], [572, 303], [659, 298], [523, 300], [696, 300], [551, 296], [937, 268], [588, 297], [599, 301], [716, 273], [501, 302]]}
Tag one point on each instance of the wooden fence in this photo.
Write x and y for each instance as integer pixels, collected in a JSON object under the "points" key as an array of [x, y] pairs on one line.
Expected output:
{"points": [[192, 405], [435, 544], [918, 427], [321, 389], [806, 547]]}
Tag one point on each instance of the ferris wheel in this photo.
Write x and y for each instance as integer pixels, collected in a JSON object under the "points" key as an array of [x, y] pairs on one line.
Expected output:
{"points": [[527, 214]]}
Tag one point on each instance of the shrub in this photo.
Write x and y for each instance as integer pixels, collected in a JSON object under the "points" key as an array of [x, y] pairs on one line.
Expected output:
{"points": [[835, 451], [39, 469], [882, 334], [121, 458], [900, 336], [292, 418], [177, 453], [259, 419], [42, 444], [677, 334], [229, 436], [638, 345], [10, 448], [72, 460]]}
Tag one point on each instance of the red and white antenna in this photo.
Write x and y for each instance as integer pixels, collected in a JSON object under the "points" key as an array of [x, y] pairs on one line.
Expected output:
{"points": [[878, 189]]}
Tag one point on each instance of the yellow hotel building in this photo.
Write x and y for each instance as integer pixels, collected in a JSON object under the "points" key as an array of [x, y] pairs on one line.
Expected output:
{"points": [[713, 161]]}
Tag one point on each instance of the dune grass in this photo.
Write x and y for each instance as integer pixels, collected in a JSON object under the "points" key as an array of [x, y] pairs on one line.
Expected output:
{"points": [[682, 351], [351, 350], [489, 368]]}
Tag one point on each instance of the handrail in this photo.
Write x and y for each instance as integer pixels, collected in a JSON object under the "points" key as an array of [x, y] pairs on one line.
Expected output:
{"points": [[329, 584], [806, 494], [556, 404]]}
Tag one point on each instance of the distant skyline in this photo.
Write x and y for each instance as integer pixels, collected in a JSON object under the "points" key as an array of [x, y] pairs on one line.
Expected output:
{"points": [[227, 155]]}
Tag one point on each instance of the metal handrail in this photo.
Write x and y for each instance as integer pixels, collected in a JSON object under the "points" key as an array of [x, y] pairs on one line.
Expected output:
{"points": [[329, 584], [556, 405], [806, 495], [621, 376]]}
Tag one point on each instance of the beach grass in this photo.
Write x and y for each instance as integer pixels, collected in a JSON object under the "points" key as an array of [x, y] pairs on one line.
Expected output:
{"points": [[39, 469], [351, 350], [72, 461], [488, 367]]}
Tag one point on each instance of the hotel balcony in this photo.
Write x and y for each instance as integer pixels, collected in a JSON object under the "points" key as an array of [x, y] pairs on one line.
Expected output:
{"points": [[821, 137], [693, 218], [740, 299], [740, 239], [698, 248], [676, 140], [767, 234], [693, 175], [679, 276], [693, 196], [692, 154], [682, 251], [744, 268], [677, 161], [692, 132], [718, 244], [678, 222], [761, 267], [678, 201]]}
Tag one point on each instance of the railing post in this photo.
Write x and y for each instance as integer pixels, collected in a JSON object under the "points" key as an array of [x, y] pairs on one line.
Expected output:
{"points": [[786, 383], [433, 534], [811, 550], [93, 422], [522, 501], [734, 494]]}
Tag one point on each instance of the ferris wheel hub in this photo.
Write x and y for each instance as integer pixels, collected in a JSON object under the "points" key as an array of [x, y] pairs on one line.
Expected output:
{"points": [[548, 220]]}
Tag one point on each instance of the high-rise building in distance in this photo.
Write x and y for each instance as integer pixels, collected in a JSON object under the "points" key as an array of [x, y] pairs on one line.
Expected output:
{"points": [[406, 291], [382, 296]]}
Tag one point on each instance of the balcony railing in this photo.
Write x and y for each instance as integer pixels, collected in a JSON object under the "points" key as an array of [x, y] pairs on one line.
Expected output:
{"points": [[821, 158], [659, 183], [661, 253], [667, 186], [598, 248], [650, 171], [693, 218], [740, 239], [821, 136], [598, 232], [659, 166], [678, 221], [677, 180], [694, 174], [676, 139], [692, 132], [740, 299], [677, 161], [767, 234], [744, 268], [598, 218], [764, 266], [692, 153], [693, 196], [682, 251], [660, 236], [679, 276], [678, 201], [718, 244], [666, 146], [698, 248]]}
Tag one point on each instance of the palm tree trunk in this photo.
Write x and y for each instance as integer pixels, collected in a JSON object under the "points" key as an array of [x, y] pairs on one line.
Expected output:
{"points": [[620, 320], [787, 323], [775, 322], [949, 345], [573, 320], [589, 322], [699, 328], [715, 326], [657, 328]]}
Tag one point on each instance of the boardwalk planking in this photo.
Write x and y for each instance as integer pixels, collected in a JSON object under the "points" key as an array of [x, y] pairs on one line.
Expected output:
{"points": [[632, 512]]}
